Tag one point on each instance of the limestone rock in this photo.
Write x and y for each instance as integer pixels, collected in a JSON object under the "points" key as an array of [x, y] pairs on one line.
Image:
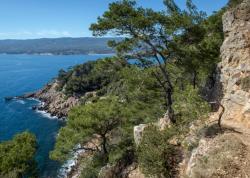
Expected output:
{"points": [[138, 133], [161, 124], [55, 102], [235, 54]]}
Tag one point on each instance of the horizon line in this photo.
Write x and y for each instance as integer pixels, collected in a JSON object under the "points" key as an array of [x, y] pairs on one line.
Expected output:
{"points": [[55, 38]]}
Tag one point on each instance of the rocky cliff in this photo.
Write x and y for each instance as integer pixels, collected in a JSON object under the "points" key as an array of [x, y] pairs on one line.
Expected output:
{"points": [[225, 152], [235, 65], [55, 102]]}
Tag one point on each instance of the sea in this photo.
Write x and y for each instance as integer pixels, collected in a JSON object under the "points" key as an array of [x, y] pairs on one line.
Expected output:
{"points": [[20, 74]]}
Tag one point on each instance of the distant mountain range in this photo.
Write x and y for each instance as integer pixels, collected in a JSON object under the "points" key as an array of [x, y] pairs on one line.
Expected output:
{"points": [[57, 46]]}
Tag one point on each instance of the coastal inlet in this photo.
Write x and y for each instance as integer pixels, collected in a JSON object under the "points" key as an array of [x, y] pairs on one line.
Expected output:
{"points": [[20, 74]]}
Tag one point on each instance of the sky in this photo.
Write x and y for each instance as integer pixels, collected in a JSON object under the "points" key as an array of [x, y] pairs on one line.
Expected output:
{"points": [[29, 19]]}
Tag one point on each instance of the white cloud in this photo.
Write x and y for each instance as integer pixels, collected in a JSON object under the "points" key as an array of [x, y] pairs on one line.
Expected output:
{"points": [[34, 34], [45, 33]]}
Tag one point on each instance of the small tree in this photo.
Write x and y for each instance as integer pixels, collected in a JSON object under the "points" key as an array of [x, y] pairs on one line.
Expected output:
{"points": [[100, 119], [198, 48], [156, 156], [148, 37]]}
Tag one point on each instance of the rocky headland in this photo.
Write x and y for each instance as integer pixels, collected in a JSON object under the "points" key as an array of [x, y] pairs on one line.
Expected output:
{"points": [[55, 102], [52, 101]]}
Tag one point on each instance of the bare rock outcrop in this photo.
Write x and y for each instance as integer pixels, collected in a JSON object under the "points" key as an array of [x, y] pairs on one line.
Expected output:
{"points": [[55, 102], [235, 65], [161, 124]]}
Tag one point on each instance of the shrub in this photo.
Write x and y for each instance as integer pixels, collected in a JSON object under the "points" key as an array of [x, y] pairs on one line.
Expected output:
{"points": [[17, 156], [155, 155]]}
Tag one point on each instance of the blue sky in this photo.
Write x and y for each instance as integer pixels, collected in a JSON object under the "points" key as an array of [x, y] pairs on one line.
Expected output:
{"points": [[25, 19]]}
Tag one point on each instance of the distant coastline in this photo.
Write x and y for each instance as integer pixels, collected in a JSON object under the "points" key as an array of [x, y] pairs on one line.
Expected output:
{"points": [[58, 46], [60, 54]]}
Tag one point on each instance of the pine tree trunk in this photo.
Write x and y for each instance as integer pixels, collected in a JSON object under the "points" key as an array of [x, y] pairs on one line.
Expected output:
{"points": [[104, 148], [169, 105]]}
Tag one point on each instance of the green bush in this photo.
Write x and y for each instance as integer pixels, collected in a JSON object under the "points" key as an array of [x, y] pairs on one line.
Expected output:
{"points": [[156, 157], [92, 166], [90, 76], [17, 156]]}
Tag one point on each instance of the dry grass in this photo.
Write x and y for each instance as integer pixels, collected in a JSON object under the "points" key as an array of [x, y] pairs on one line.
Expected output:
{"points": [[224, 157]]}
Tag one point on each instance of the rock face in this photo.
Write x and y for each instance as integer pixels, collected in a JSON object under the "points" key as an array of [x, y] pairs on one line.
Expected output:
{"points": [[54, 102], [223, 153], [235, 65], [138, 133]]}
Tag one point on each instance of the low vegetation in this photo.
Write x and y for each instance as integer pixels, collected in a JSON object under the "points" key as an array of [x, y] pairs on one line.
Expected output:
{"points": [[17, 157], [162, 158], [90, 76], [225, 158]]}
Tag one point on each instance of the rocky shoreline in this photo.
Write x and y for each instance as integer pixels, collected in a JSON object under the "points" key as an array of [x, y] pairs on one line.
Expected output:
{"points": [[57, 105], [53, 102]]}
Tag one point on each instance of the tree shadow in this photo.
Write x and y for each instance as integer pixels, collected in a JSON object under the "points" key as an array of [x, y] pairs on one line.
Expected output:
{"points": [[214, 130], [212, 92]]}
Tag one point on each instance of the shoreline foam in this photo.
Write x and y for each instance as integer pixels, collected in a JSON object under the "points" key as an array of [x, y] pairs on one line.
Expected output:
{"points": [[70, 164]]}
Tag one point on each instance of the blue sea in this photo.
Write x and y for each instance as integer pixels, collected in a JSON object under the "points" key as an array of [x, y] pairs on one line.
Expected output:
{"points": [[20, 74]]}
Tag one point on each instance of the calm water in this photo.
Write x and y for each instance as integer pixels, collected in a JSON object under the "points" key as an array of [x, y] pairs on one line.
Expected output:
{"points": [[20, 74]]}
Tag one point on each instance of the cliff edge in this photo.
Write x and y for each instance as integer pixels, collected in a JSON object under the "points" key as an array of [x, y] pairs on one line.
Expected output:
{"points": [[235, 66], [55, 102], [225, 152]]}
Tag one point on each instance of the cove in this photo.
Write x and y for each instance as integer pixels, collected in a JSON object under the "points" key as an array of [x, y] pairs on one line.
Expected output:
{"points": [[21, 74]]}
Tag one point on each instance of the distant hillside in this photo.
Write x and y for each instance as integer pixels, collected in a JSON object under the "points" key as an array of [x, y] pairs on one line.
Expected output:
{"points": [[56, 46]]}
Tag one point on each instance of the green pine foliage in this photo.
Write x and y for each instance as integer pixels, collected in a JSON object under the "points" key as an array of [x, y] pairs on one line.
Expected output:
{"points": [[100, 118], [132, 98], [17, 156], [155, 156], [90, 76], [173, 54], [92, 166]]}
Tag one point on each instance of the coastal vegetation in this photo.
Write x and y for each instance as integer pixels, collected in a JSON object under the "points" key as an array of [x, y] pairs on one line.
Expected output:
{"points": [[163, 63], [131, 93], [90, 76], [17, 156]]}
